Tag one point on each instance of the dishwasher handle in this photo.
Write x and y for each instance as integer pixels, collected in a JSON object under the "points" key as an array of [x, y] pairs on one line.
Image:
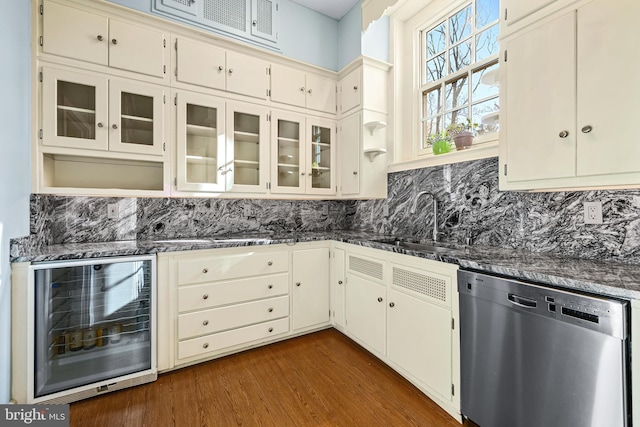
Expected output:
{"points": [[522, 301]]}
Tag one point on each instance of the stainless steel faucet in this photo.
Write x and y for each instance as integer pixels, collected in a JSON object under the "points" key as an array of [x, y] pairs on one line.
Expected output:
{"points": [[435, 211]]}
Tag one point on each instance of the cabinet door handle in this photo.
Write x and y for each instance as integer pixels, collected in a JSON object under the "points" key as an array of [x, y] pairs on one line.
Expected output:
{"points": [[302, 89], [270, 329], [298, 284], [355, 172], [230, 70], [586, 129], [270, 309], [100, 38], [339, 282], [391, 304], [220, 68], [205, 296], [255, 23], [115, 126], [563, 134], [309, 91], [270, 263], [379, 299], [205, 345], [302, 173], [114, 41], [355, 88], [270, 286], [205, 270], [100, 124], [205, 323]]}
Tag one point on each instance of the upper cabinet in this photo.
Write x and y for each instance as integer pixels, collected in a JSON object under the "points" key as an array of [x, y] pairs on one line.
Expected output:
{"points": [[294, 87], [212, 67], [518, 11], [73, 33], [350, 91], [568, 126], [253, 20]]}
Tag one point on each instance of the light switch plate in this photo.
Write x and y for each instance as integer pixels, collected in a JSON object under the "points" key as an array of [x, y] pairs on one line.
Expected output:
{"points": [[593, 212]]}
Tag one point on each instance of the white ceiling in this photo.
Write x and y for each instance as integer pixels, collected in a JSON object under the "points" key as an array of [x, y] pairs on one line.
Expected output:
{"points": [[336, 9]]}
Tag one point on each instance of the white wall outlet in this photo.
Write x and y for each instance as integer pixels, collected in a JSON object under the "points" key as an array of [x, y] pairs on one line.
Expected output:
{"points": [[385, 211], [325, 209], [248, 210], [593, 212], [112, 211]]}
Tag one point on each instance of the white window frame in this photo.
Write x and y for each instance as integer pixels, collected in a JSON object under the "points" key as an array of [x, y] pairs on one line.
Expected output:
{"points": [[423, 87]]}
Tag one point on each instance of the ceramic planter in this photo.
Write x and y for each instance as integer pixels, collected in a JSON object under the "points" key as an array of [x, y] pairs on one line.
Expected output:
{"points": [[463, 140]]}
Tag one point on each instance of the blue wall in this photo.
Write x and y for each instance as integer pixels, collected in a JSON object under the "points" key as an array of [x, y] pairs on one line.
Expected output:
{"points": [[350, 36], [375, 41], [15, 160]]}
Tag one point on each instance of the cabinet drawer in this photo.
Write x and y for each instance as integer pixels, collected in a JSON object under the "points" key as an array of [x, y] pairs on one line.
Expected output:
{"points": [[211, 343], [233, 316], [224, 267], [210, 295]]}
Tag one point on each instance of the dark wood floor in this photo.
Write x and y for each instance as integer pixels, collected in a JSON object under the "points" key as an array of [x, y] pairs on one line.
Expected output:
{"points": [[321, 379]]}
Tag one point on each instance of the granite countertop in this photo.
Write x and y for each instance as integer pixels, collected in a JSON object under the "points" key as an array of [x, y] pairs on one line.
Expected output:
{"points": [[609, 278]]}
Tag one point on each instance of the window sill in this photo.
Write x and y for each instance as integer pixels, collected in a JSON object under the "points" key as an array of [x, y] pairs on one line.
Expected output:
{"points": [[482, 151]]}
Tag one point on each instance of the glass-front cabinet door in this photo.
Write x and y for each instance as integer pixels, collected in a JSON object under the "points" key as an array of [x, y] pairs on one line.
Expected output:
{"points": [[200, 143], [288, 173], [75, 109], [321, 151], [136, 113], [247, 148]]}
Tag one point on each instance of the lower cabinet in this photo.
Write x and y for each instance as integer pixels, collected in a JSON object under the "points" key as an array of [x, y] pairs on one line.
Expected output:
{"points": [[310, 287]]}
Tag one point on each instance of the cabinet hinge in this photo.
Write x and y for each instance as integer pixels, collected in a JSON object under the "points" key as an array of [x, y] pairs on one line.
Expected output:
{"points": [[268, 186], [505, 169], [505, 56], [276, 7], [453, 390], [176, 72], [175, 181], [505, 13], [41, 9], [175, 45], [268, 117], [41, 41], [40, 133], [164, 99], [164, 42], [164, 146], [164, 69], [453, 323], [175, 100], [268, 71], [40, 77]]}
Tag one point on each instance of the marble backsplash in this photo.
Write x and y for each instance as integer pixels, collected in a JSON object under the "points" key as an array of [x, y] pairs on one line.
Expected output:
{"points": [[469, 207]]}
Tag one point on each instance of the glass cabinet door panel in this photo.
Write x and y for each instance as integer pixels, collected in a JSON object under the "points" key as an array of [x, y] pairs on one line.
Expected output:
{"points": [[74, 110], [200, 143], [246, 149], [321, 157], [288, 154], [137, 119]]}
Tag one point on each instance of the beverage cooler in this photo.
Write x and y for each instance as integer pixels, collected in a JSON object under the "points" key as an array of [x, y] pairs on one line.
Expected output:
{"points": [[93, 327]]}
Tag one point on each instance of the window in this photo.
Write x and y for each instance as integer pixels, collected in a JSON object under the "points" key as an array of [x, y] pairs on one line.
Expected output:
{"points": [[458, 57]]}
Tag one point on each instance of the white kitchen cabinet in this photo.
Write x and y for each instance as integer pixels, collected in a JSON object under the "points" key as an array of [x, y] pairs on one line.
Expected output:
{"points": [[294, 87], [209, 66], [304, 151], [310, 292], [337, 288], [580, 136], [350, 154], [88, 111], [200, 143], [74, 33], [351, 90]]}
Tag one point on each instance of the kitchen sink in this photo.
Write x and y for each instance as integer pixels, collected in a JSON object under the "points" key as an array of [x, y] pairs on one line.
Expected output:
{"points": [[416, 246]]}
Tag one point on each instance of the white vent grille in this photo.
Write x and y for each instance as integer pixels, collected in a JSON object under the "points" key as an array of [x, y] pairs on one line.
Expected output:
{"points": [[432, 287], [366, 267], [232, 13], [182, 2], [264, 17]]}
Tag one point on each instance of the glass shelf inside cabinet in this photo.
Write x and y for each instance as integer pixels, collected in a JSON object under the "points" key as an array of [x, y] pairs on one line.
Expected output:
{"points": [[202, 144], [76, 110], [246, 137], [136, 120], [321, 157]]}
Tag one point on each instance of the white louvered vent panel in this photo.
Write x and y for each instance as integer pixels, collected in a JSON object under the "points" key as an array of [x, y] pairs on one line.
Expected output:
{"points": [[423, 284], [232, 13], [265, 17], [366, 267], [182, 2]]}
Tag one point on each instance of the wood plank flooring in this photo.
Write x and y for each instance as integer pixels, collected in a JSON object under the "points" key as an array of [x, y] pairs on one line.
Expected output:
{"points": [[320, 379]]}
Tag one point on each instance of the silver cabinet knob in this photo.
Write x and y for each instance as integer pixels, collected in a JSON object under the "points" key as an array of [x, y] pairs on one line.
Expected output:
{"points": [[100, 38], [586, 129], [270, 263], [339, 282], [270, 286], [298, 284], [379, 299], [115, 126], [205, 270], [205, 345], [392, 305], [355, 172], [205, 296], [255, 23], [302, 89], [205, 323], [100, 124], [230, 70], [309, 91], [302, 173], [114, 41], [563, 134], [270, 310], [220, 68], [355, 88], [270, 329]]}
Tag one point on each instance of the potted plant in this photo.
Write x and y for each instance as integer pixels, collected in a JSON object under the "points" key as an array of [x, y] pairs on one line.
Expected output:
{"points": [[462, 133], [440, 143]]}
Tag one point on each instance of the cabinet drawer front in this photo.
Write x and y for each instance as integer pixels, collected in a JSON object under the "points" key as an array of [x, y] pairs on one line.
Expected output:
{"points": [[233, 316], [211, 343], [210, 295], [225, 267]]}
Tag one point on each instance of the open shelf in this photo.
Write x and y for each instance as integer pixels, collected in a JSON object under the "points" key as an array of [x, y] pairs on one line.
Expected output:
{"points": [[138, 119], [76, 109], [202, 160], [246, 137], [201, 131], [249, 164]]}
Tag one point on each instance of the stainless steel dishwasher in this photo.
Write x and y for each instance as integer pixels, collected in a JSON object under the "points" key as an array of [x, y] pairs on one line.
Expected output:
{"points": [[533, 356]]}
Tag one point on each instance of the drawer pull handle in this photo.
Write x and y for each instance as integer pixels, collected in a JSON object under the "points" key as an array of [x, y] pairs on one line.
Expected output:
{"points": [[205, 296], [391, 304], [587, 129], [205, 345], [270, 286], [297, 283], [355, 88], [270, 329], [100, 124], [230, 70], [205, 270], [114, 41], [339, 282], [100, 38], [205, 323], [270, 309], [563, 134], [379, 299], [115, 126], [270, 263], [302, 89], [220, 68]]}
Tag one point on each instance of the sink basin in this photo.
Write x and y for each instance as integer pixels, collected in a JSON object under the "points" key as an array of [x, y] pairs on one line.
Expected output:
{"points": [[415, 246]]}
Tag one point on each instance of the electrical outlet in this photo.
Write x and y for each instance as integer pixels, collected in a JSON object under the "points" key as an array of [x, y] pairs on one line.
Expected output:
{"points": [[248, 210], [593, 212], [325, 209], [112, 211], [385, 211]]}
